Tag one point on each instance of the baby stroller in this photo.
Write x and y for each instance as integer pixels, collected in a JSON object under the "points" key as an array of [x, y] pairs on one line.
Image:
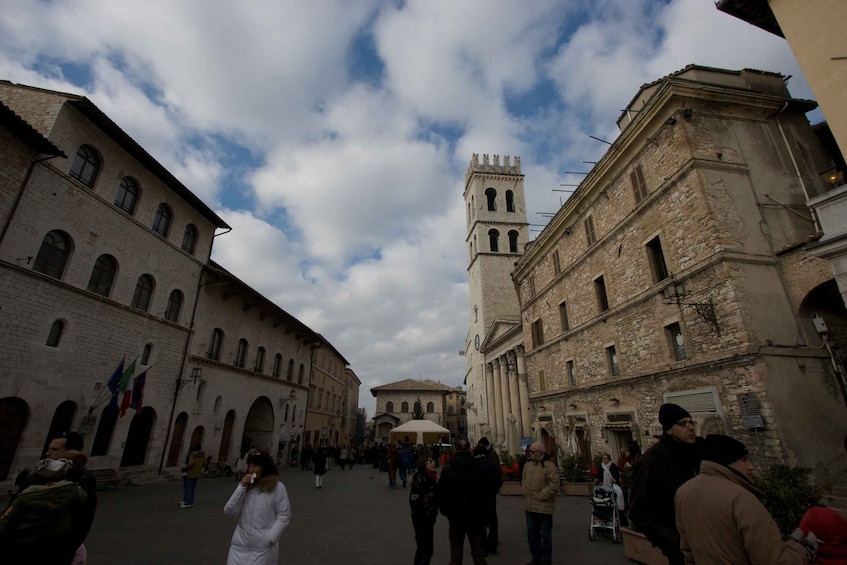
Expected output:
{"points": [[605, 518]]}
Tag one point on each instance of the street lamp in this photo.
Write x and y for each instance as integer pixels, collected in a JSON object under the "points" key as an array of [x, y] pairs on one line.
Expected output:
{"points": [[196, 374]]}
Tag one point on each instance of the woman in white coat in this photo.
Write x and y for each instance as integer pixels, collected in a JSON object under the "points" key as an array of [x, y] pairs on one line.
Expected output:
{"points": [[260, 502]]}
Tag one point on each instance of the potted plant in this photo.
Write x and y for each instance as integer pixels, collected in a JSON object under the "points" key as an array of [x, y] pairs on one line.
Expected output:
{"points": [[510, 469], [576, 478]]}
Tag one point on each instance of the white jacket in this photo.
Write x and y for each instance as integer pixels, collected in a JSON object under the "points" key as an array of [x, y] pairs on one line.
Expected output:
{"points": [[263, 513]]}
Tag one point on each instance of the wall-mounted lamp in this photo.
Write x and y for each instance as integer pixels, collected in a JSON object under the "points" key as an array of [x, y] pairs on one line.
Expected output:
{"points": [[614, 400], [196, 374], [670, 121], [687, 113], [573, 406]]}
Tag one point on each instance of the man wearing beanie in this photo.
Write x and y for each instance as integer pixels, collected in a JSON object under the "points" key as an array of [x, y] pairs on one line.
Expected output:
{"points": [[663, 468], [720, 516]]}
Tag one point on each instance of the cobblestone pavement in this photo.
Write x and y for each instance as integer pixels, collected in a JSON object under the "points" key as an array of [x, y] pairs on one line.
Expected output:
{"points": [[353, 520]]}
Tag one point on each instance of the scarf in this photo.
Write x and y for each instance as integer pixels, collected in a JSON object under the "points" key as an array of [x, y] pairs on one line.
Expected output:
{"points": [[607, 473]]}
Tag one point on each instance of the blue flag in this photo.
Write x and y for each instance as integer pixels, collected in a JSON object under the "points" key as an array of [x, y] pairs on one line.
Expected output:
{"points": [[138, 391], [114, 382]]}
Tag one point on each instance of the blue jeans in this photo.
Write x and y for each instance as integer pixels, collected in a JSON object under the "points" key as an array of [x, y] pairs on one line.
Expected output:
{"points": [[188, 486], [539, 529]]}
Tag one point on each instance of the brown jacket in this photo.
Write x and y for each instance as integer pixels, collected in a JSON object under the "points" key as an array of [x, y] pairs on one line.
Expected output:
{"points": [[721, 520], [540, 486]]}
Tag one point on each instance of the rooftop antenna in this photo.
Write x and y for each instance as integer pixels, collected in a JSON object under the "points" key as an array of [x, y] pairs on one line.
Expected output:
{"points": [[598, 139]]}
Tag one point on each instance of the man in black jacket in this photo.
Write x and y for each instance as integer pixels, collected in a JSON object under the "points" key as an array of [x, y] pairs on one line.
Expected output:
{"points": [[488, 458], [465, 492], [663, 468]]}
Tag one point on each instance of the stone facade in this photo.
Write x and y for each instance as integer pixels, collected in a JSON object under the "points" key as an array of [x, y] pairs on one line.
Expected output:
{"points": [[326, 414], [455, 414], [72, 264], [681, 277], [395, 404], [352, 434]]}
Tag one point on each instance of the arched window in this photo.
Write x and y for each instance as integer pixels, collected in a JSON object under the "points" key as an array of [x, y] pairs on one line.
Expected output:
{"points": [[513, 241], [143, 293], [145, 355], [241, 353], [493, 240], [127, 195], [510, 201], [189, 238], [301, 374], [53, 254], [389, 407], [404, 407], [162, 221], [290, 375], [430, 407], [277, 365], [214, 351], [491, 195], [55, 335], [86, 165], [418, 408], [174, 306], [103, 275], [260, 360]]}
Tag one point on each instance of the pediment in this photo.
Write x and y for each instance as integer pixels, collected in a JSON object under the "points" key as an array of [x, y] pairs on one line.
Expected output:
{"points": [[502, 330]]}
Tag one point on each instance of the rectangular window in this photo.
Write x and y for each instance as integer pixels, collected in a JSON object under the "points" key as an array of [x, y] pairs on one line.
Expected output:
{"points": [[676, 343], [542, 381], [657, 260], [590, 234], [571, 373], [639, 187], [531, 285], [612, 357], [563, 316], [557, 267], [537, 333], [600, 291]]}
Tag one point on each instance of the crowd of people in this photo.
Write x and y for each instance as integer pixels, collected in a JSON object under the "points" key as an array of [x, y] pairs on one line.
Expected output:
{"points": [[691, 497]]}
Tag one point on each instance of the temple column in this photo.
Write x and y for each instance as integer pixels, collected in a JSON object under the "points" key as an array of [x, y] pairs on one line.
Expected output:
{"points": [[507, 403], [523, 389], [490, 405], [498, 403], [515, 399]]}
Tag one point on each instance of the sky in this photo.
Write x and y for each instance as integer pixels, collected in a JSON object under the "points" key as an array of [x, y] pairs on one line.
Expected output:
{"points": [[333, 136]]}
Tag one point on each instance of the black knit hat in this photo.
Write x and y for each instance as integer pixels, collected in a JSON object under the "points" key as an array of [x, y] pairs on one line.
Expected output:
{"points": [[722, 449], [484, 441], [670, 414]]}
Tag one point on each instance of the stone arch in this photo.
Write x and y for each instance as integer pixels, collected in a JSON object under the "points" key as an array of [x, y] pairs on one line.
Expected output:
{"points": [[226, 436], [176, 439], [14, 417], [138, 437], [259, 424], [63, 417]]}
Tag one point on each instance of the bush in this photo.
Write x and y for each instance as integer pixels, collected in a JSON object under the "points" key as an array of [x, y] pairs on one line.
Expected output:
{"points": [[574, 468], [789, 492]]}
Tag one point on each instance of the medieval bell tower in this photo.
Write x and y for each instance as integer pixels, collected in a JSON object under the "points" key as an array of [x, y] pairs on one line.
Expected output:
{"points": [[497, 232]]}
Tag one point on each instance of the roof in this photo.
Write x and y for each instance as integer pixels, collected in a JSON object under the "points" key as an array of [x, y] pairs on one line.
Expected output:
{"points": [[24, 131], [412, 385], [88, 109], [754, 12], [420, 426]]}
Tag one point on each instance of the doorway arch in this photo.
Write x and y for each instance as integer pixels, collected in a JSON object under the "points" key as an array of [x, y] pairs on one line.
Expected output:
{"points": [[14, 417], [138, 437], [63, 417], [226, 437], [259, 425], [176, 439]]}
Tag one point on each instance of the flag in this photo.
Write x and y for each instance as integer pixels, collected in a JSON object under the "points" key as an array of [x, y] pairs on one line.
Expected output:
{"points": [[126, 387], [115, 382], [138, 391]]}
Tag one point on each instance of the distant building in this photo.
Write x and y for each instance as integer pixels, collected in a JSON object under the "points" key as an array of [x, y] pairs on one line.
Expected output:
{"points": [[328, 398], [350, 407], [397, 403], [455, 415]]}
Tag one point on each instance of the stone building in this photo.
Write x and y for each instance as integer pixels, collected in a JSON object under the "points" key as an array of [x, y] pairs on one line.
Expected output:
{"points": [[105, 271], [351, 433], [455, 414], [676, 272], [397, 403], [326, 414], [497, 400]]}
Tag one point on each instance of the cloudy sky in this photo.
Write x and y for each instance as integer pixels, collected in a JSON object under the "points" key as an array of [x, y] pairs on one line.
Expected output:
{"points": [[334, 135]]}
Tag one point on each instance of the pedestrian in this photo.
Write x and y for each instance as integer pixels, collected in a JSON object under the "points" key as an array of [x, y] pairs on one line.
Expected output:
{"points": [[464, 491], [343, 456], [540, 482], [354, 456], [393, 461], [436, 454], [608, 474], [487, 457], [39, 524], [69, 445], [720, 516], [260, 502], [405, 462], [830, 528], [423, 502], [319, 459], [306, 457], [657, 475], [195, 462]]}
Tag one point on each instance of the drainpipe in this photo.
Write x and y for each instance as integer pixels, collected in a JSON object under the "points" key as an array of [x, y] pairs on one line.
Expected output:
{"points": [[794, 163], [19, 196]]}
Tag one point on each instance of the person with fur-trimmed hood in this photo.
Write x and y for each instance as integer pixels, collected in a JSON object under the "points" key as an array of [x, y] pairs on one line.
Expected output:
{"points": [[720, 516], [260, 502]]}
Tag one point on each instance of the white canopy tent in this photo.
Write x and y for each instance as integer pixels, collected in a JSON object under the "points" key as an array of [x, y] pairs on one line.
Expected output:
{"points": [[424, 431]]}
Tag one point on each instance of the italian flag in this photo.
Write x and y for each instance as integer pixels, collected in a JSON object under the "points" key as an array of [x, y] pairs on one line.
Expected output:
{"points": [[126, 387]]}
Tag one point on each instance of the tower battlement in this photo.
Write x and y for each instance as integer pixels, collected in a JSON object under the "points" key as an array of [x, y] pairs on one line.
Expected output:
{"points": [[493, 166]]}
